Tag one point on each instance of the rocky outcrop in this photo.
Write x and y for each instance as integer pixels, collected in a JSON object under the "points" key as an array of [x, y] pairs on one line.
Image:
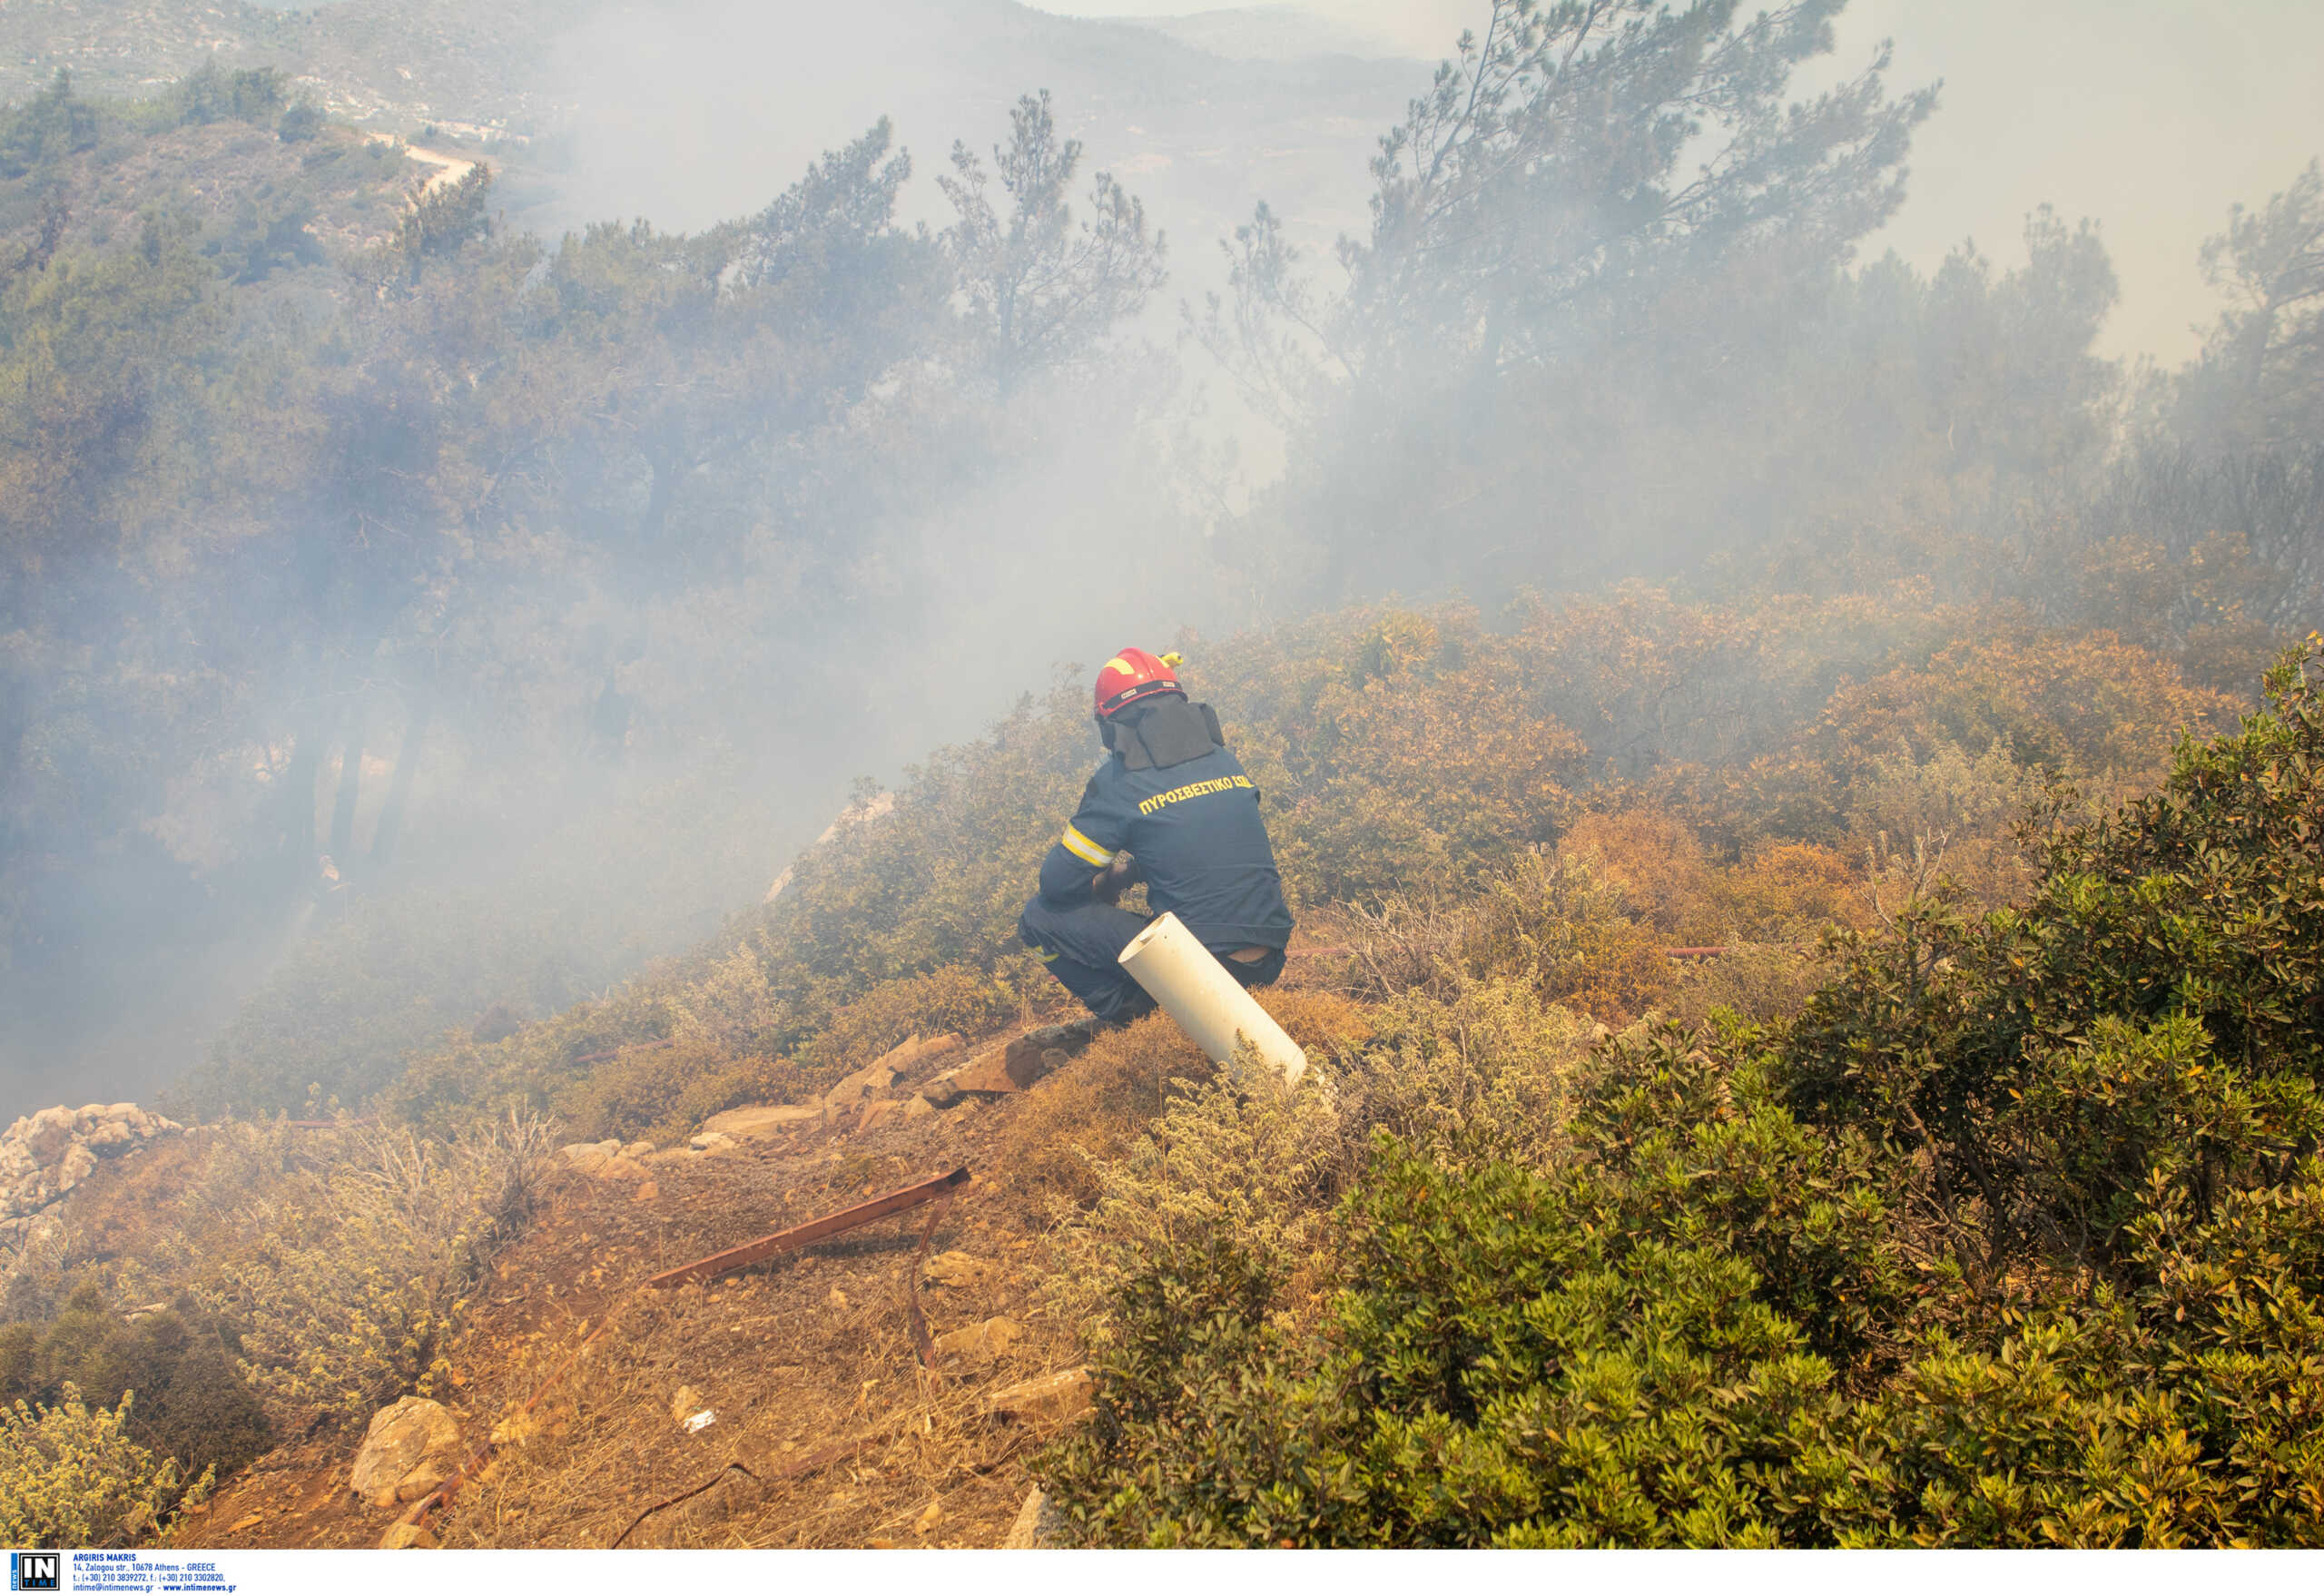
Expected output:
{"points": [[43, 1156], [1013, 1068], [762, 1119], [411, 1447]]}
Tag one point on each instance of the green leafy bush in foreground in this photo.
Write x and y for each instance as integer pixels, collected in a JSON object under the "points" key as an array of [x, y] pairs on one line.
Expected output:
{"points": [[70, 1475], [2016, 1236]]}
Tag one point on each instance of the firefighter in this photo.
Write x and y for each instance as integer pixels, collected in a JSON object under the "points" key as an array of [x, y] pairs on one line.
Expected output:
{"points": [[1173, 808]]}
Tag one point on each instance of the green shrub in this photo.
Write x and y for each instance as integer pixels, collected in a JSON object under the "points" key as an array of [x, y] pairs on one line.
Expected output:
{"points": [[301, 124], [193, 1403], [71, 1475], [1486, 1072], [2150, 1010], [2016, 1236], [46, 129]]}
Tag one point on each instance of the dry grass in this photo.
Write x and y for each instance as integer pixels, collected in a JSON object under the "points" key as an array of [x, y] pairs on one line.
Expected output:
{"points": [[788, 1368], [815, 1348]]}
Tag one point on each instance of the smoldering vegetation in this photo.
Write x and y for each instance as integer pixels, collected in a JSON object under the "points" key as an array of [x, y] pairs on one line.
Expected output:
{"points": [[439, 620], [1809, 948]]}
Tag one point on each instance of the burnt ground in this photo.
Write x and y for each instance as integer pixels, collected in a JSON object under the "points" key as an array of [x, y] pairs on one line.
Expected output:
{"points": [[791, 1357]]}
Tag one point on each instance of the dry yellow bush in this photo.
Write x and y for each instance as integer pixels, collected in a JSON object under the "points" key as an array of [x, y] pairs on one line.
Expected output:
{"points": [[71, 1476], [341, 1258]]}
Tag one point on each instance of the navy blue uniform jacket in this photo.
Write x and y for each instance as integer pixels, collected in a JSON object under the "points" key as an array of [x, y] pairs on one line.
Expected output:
{"points": [[1196, 832]]}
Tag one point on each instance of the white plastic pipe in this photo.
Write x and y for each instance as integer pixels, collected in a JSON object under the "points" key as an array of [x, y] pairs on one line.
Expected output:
{"points": [[1209, 1005]]}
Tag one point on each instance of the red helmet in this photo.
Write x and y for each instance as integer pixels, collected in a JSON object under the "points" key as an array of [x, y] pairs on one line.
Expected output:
{"points": [[1132, 675]]}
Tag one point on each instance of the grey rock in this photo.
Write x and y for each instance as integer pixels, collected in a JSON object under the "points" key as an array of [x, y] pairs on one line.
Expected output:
{"points": [[405, 1441]]}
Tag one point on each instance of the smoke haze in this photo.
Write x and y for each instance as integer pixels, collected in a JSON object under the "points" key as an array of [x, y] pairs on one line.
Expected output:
{"points": [[673, 590]]}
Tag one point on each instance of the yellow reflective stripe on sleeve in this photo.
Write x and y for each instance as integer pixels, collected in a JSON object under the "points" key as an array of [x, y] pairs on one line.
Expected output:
{"points": [[1083, 848]]}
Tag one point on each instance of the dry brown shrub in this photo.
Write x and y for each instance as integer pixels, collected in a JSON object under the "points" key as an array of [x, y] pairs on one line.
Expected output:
{"points": [[955, 998], [1789, 892], [2061, 702], [662, 1093], [1659, 864], [1095, 1109], [1552, 921]]}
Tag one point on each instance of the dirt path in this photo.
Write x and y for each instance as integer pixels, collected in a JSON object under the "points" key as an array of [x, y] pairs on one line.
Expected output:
{"points": [[449, 168]]}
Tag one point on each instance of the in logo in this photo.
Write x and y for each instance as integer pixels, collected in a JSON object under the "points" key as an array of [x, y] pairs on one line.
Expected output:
{"points": [[35, 1570]]}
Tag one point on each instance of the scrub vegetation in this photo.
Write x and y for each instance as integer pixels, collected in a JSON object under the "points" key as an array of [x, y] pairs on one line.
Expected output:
{"points": [[1811, 946]]}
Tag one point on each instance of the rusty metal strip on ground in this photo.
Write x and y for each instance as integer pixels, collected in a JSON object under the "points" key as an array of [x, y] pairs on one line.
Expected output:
{"points": [[813, 1231]]}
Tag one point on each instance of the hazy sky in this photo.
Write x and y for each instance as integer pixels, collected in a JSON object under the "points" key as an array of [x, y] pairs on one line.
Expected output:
{"points": [[2149, 115]]}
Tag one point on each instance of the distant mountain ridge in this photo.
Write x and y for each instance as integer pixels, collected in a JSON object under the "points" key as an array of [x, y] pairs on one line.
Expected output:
{"points": [[687, 113], [1268, 33], [364, 61]]}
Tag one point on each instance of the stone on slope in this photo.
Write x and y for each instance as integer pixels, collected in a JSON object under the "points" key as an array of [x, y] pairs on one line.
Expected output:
{"points": [[1011, 1068], [1037, 1525], [873, 1080], [760, 1119], [955, 1270], [985, 1341], [909, 1054], [406, 1440], [1053, 1397], [46, 1134], [587, 1157]]}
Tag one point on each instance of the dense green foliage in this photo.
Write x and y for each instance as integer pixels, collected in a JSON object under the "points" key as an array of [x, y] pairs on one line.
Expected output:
{"points": [[2012, 1238], [191, 1401]]}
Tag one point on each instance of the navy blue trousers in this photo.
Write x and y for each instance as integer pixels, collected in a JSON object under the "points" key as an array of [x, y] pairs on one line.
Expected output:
{"points": [[1082, 947]]}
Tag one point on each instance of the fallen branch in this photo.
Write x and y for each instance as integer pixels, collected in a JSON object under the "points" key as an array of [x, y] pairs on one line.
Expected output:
{"points": [[731, 1468], [920, 1338], [822, 1459]]}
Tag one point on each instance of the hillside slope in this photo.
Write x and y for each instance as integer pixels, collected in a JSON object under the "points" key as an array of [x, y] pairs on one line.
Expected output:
{"points": [[1491, 1032]]}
